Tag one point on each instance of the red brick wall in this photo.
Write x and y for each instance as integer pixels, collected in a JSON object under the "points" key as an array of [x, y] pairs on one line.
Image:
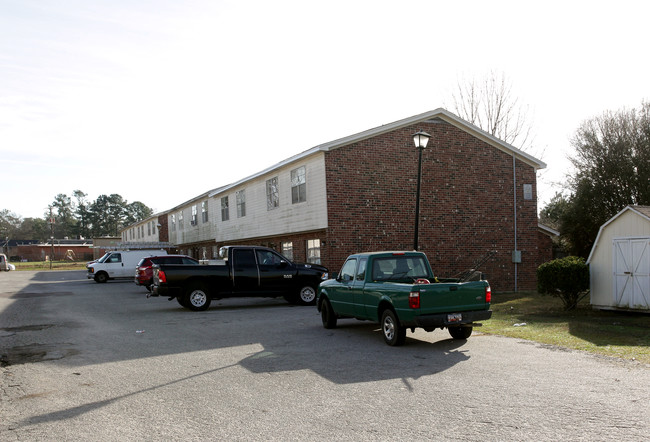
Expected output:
{"points": [[545, 247], [466, 205], [163, 230]]}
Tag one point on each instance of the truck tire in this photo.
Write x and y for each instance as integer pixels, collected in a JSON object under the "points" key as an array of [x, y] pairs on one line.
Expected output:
{"points": [[101, 277], [181, 301], [327, 314], [197, 298], [460, 332], [307, 295], [394, 334]]}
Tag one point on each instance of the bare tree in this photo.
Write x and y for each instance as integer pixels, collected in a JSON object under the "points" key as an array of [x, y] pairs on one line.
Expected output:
{"points": [[490, 105]]}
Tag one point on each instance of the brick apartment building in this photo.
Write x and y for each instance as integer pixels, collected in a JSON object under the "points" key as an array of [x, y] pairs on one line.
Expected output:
{"points": [[478, 198]]}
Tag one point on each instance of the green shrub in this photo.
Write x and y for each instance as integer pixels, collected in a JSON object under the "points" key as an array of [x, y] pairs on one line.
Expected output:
{"points": [[566, 278]]}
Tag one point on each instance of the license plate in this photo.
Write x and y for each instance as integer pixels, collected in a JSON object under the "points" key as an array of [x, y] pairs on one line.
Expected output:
{"points": [[455, 317]]}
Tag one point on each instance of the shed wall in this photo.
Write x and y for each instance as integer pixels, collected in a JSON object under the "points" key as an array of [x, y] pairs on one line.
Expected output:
{"points": [[601, 267]]}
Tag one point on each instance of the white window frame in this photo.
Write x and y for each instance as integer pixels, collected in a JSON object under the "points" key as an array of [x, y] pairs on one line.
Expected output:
{"points": [[287, 249], [299, 185], [272, 194], [204, 211], [313, 251], [225, 209], [241, 203]]}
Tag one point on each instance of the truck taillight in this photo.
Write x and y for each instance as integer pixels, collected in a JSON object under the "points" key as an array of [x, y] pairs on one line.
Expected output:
{"points": [[488, 294], [414, 300], [161, 276]]}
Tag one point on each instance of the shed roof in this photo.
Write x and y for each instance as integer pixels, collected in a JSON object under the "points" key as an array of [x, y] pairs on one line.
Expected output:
{"points": [[642, 211]]}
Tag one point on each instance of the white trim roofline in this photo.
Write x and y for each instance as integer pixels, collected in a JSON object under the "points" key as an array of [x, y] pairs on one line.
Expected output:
{"points": [[439, 113], [600, 231], [547, 230]]}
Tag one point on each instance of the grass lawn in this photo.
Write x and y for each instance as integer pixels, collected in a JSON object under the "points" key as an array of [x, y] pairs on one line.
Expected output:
{"points": [[55, 265], [619, 334]]}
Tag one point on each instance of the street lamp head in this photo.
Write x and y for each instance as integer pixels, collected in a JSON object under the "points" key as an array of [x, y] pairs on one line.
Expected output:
{"points": [[421, 139]]}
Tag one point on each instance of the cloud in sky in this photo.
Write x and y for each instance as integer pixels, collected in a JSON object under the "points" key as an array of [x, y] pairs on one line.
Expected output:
{"points": [[160, 101]]}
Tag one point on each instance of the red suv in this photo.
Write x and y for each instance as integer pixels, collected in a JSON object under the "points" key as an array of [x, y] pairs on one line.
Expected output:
{"points": [[144, 271]]}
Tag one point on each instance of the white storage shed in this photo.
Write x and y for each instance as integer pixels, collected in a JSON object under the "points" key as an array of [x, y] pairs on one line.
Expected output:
{"points": [[619, 262]]}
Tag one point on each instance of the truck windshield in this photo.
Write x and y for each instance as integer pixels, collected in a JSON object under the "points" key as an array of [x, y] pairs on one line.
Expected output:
{"points": [[400, 268], [103, 258]]}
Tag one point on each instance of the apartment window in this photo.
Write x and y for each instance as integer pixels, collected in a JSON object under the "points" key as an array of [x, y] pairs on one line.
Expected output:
{"points": [[313, 251], [225, 213], [298, 185], [194, 215], [241, 203], [272, 194], [204, 211], [287, 250], [148, 228], [180, 220], [153, 227], [173, 222]]}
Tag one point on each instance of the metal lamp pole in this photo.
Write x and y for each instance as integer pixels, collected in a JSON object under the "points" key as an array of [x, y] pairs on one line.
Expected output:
{"points": [[420, 139]]}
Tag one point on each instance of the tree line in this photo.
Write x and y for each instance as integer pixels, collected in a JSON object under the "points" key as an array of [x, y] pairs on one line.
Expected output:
{"points": [[612, 170], [75, 217]]}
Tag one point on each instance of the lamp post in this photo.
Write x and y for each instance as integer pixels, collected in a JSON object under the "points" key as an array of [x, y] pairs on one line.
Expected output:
{"points": [[420, 139]]}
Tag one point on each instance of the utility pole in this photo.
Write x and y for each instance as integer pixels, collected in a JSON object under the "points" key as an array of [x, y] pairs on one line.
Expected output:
{"points": [[51, 237]]}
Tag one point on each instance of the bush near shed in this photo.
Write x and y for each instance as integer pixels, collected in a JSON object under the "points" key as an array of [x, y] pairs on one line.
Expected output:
{"points": [[566, 278]]}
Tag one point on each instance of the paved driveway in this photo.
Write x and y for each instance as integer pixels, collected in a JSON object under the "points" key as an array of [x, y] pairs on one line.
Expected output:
{"points": [[87, 361]]}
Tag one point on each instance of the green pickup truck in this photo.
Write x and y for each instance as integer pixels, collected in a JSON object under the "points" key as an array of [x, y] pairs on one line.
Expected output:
{"points": [[399, 291]]}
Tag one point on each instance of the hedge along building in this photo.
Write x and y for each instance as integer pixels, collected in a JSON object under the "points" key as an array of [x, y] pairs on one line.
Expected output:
{"points": [[478, 199]]}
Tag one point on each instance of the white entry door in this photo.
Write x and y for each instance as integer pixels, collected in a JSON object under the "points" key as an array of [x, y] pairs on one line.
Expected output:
{"points": [[632, 273]]}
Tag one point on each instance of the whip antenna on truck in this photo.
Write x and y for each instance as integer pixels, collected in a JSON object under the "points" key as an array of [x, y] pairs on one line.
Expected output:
{"points": [[468, 274]]}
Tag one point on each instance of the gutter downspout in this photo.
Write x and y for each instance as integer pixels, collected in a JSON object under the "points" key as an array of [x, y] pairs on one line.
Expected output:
{"points": [[514, 183]]}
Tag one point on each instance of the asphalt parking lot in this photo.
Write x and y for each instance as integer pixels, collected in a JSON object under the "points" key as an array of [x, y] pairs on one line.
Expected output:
{"points": [[87, 361]]}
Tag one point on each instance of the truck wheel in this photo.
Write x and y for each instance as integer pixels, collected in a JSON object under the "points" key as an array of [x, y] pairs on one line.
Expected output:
{"points": [[197, 298], [307, 295], [101, 277], [327, 314], [460, 332], [394, 333]]}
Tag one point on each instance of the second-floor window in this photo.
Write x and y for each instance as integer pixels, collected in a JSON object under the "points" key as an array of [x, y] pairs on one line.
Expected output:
{"points": [[241, 203], [180, 220], [298, 185], [272, 194], [225, 212], [173, 223], [204, 211], [194, 215]]}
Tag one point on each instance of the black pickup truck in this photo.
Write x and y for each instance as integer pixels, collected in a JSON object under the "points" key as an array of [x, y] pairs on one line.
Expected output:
{"points": [[244, 271]]}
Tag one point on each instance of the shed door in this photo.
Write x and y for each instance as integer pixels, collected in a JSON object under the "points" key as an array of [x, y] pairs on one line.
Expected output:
{"points": [[632, 273]]}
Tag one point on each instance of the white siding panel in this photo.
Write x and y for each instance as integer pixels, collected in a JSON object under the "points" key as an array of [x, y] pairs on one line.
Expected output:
{"points": [[287, 218], [193, 234]]}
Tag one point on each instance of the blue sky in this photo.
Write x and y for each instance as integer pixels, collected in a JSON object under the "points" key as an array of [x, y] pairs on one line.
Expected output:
{"points": [[160, 101]]}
